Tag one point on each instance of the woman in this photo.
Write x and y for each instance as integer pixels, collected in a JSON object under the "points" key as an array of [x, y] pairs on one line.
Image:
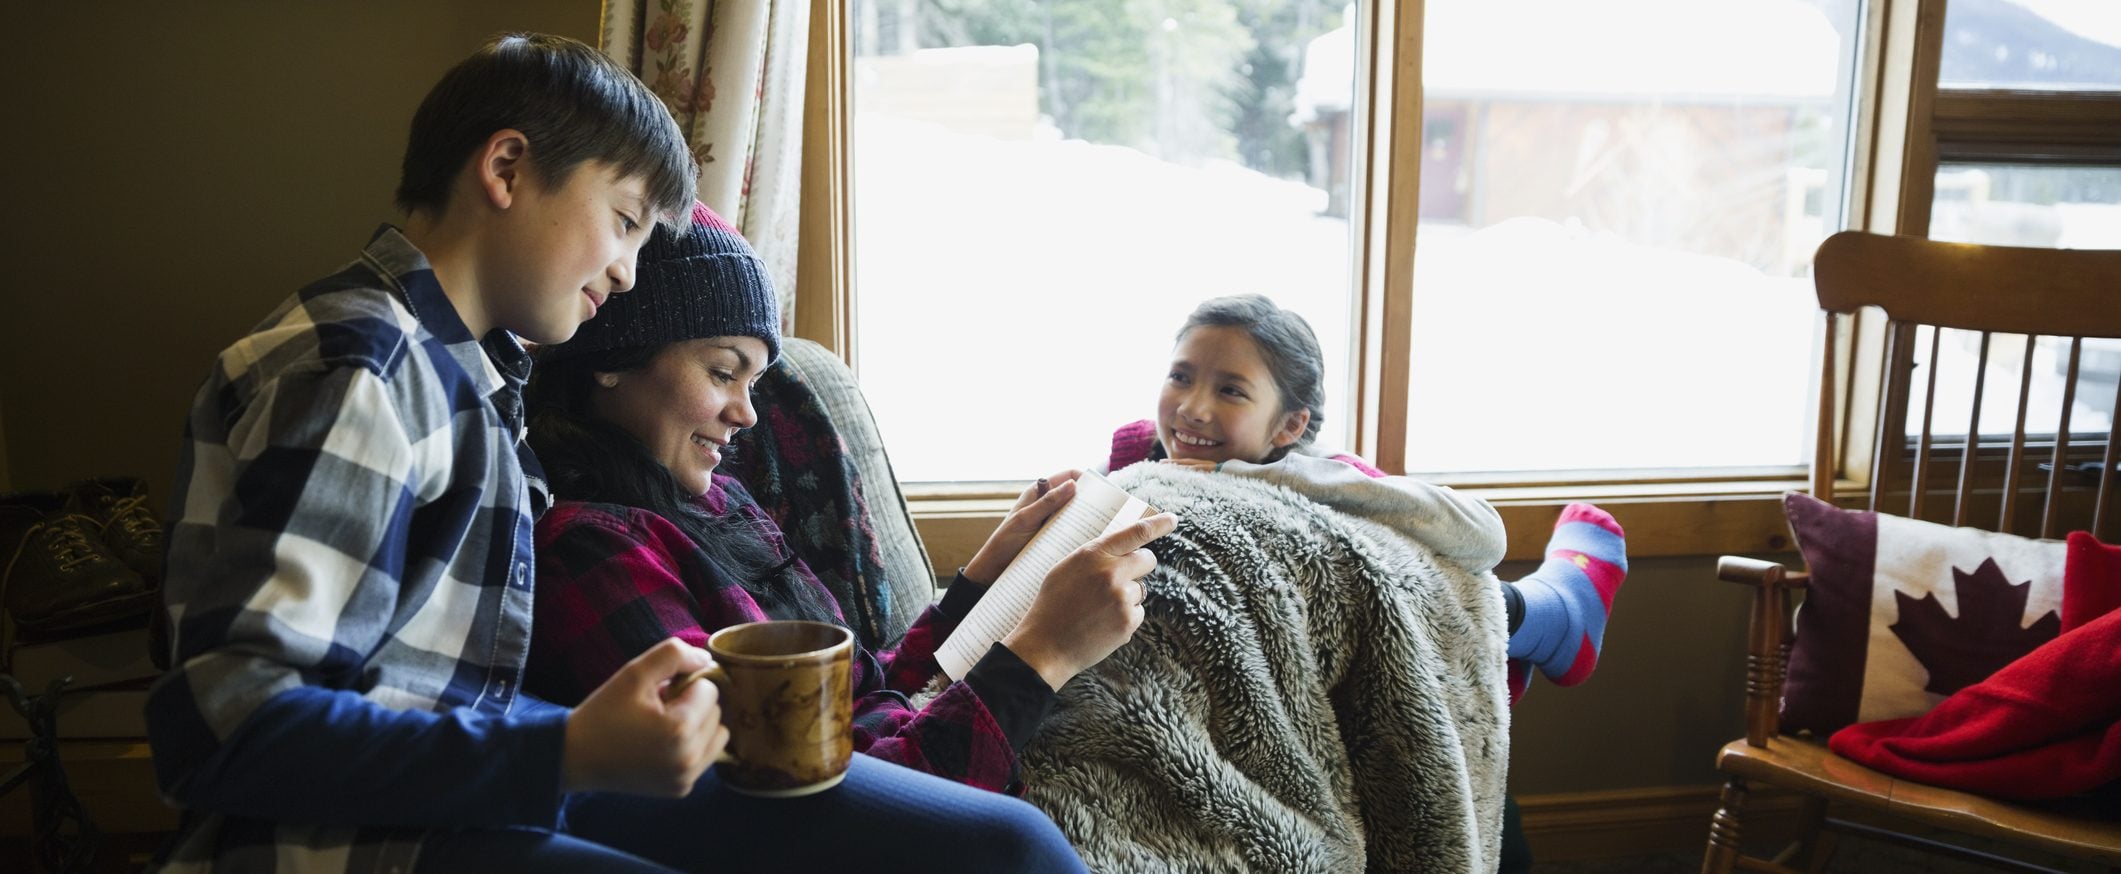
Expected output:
{"points": [[645, 541]]}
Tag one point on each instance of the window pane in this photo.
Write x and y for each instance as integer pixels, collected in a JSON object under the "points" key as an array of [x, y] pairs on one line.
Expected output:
{"points": [[1959, 353], [2040, 45], [1613, 259], [2023, 205], [2028, 205], [1045, 190]]}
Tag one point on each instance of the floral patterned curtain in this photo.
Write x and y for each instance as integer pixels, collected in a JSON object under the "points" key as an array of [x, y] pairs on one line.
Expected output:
{"points": [[731, 71]]}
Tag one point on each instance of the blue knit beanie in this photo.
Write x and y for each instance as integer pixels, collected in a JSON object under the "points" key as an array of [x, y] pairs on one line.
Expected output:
{"points": [[703, 281]]}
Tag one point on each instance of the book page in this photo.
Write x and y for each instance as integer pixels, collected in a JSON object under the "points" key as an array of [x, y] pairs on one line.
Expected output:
{"points": [[1098, 506]]}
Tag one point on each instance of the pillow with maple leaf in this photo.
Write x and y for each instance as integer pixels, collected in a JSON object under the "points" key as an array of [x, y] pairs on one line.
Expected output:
{"points": [[1901, 613]]}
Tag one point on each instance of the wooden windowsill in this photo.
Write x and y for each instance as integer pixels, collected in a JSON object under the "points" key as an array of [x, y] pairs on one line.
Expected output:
{"points": [[1703, 517]]}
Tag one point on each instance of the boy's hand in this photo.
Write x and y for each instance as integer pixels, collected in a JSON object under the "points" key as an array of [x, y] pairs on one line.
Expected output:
{"points": [[1037, 504], [625, 738], [1090, 603], [1199, 464]]}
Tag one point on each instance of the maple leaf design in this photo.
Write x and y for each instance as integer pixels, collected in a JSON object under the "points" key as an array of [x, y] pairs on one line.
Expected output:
{"points": [[1961, 652]]}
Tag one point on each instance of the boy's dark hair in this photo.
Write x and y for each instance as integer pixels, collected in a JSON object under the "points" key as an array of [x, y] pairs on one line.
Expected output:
{"points": [[1286, 342], [570, 101]]}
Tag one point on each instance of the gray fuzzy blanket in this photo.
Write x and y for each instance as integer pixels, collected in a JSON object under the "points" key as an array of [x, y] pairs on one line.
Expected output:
{"points": [[1310, 692]]}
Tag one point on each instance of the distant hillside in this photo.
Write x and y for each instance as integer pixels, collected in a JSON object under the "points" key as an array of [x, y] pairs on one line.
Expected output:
{"points": [[2002, 43]]}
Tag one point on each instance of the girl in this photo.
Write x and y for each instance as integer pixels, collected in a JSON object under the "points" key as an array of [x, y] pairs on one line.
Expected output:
{"points": [[645, 542], [1244, 395]]}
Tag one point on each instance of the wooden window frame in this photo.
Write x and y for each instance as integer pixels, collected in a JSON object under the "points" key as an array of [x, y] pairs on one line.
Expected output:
{"points": [[1998, 125], [1990, 125], [1902, 124]]}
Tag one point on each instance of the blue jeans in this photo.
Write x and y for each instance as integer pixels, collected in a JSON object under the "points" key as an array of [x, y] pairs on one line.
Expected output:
{"points": [[883, 817]]}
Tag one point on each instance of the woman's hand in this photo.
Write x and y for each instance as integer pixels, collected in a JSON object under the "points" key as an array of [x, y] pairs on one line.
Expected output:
{"points": [[1037, 504], [1090, 603], [625, 737]]}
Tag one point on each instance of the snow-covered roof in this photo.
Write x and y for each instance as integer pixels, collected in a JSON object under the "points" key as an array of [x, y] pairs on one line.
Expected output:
{"points": [[1683, 50]]}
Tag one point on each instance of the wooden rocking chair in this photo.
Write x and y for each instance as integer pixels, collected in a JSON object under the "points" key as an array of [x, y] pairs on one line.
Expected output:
{"points": [[1935, 291]]}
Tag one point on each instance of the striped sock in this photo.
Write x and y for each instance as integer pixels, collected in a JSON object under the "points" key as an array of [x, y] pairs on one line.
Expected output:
{"points": [[1567, 599]]}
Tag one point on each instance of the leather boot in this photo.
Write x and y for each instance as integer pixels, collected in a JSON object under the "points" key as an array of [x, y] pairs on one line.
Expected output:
{"points": [[129, 527], [59, 574]]}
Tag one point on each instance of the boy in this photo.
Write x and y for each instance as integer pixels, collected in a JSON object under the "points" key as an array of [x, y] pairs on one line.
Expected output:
{"points": [[349, 571], [348, 567]]}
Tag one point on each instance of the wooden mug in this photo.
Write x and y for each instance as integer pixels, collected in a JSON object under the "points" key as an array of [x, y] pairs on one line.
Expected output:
{"points": [[787, 697]]}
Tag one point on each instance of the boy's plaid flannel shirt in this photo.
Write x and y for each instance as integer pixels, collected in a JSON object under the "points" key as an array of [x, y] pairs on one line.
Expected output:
{"points": [[349, 578]]}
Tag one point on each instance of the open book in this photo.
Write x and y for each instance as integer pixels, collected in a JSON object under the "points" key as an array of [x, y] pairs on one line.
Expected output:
{"points": [[1098, 507]]}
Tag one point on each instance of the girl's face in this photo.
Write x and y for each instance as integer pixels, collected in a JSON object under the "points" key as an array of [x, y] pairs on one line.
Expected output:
{"points": [[687, 404], [1220, 402]]}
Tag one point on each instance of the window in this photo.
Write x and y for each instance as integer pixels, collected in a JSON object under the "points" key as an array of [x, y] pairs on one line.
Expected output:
{"points": [[2028, 153], [1046, 190], [2042, 45], [1960, 354], [1616, 224], [1606, 256], [2024, 205], [2056, 206]]}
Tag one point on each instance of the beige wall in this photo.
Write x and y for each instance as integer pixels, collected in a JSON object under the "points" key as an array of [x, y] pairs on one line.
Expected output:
{"points": [[173, 170]]}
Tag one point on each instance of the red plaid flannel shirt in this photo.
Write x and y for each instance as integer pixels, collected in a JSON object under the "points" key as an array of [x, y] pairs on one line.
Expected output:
{"points": [[613, 581]]}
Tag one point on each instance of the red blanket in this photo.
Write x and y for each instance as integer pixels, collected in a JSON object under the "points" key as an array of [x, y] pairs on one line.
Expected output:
{"points": [[2045, 726]]}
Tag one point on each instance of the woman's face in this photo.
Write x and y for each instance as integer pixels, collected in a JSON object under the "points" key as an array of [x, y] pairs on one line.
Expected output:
{"points": [[1220, 402], [687, 404]]}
